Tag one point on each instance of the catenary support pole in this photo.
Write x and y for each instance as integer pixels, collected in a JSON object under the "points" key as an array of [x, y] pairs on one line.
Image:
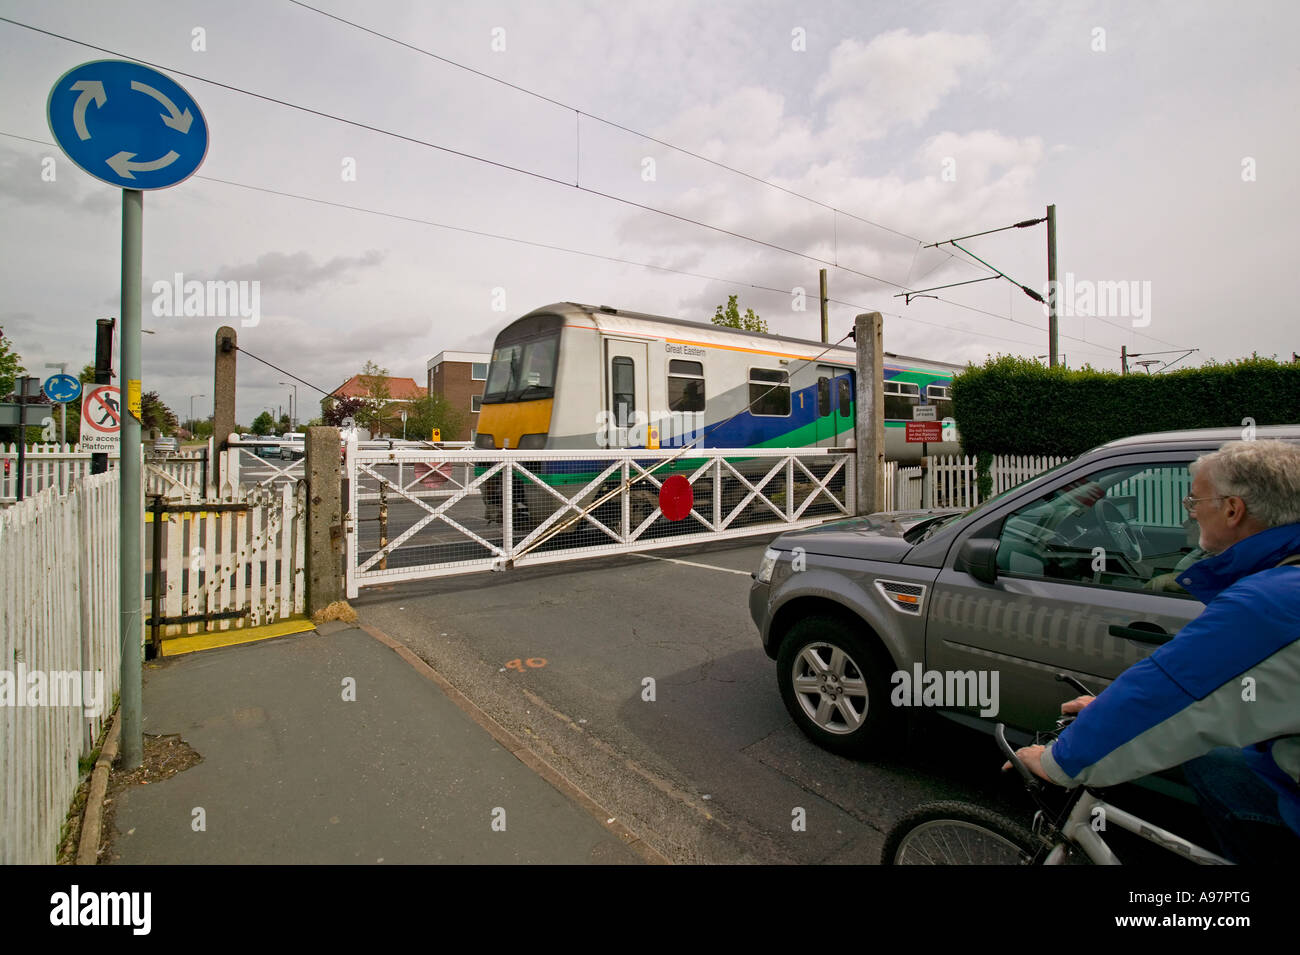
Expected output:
{"points": [[1053, 289], [826, 317]]}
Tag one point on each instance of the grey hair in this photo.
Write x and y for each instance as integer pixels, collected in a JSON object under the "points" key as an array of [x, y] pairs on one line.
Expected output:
{"points": [[1264, 474]]}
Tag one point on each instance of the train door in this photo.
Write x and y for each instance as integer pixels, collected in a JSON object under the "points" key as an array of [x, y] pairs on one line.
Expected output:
{"points": [[834, 410], [625, 392]]}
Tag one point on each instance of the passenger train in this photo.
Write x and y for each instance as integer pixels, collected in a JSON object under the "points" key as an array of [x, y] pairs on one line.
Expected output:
{"points": [[570, 376]]}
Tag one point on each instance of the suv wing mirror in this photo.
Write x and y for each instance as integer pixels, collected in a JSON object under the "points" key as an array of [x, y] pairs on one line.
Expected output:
{"points": [[979, 558]]}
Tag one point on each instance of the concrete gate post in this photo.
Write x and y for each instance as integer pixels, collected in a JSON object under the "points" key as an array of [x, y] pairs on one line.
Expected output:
{"points": [[324, 470]]}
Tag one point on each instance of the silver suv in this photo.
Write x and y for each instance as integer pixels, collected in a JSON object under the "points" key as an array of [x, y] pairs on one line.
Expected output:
{"points": [[974, 613]]}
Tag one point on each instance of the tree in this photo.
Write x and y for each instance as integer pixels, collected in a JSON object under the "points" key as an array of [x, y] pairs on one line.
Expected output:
{"points": [[432, 411], [155, 414], [333, 412], [732, 318], [11, 368], [263, 424], [375, 405]]}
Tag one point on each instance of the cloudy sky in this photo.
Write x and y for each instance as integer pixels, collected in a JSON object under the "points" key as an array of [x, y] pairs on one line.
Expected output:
{"points": [[400, 194]]}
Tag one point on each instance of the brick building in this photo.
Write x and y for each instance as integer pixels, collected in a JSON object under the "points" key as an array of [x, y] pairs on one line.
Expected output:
{"points": [[396, 392], [460, 376]]}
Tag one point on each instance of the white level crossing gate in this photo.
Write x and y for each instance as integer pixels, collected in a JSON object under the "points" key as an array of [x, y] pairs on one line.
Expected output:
{"points": [[417, 513]]}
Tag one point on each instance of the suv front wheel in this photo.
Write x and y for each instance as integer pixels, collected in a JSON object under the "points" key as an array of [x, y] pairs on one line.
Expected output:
{"points": [[836, 686]]}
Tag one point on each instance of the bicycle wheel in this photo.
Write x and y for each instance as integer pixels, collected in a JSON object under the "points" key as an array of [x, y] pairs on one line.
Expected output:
{"points": [[958, 833]]}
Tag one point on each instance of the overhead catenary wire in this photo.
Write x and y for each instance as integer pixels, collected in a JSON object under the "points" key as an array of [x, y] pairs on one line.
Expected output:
{"points": [[735, 283], [511, 168]]}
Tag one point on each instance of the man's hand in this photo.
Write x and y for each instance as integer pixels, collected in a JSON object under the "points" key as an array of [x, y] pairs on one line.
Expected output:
{"points": [[1032, 757], [1076, 704]]}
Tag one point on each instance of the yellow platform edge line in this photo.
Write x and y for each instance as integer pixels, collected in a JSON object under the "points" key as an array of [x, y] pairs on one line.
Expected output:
{"points": [[176, 646]]}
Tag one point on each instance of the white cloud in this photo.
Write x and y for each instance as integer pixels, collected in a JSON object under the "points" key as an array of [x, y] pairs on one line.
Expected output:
{"points": [[896, 78]]}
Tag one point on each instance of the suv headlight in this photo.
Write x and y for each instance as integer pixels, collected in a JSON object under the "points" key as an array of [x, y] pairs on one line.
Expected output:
{"points": [[770, 557]]}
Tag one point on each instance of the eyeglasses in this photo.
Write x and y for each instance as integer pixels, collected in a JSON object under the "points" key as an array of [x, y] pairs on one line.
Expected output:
{"points": [[1189, 502]]}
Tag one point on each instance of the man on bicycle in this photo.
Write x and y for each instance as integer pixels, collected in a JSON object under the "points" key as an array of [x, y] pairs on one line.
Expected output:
{"points": [[1229, 679]]}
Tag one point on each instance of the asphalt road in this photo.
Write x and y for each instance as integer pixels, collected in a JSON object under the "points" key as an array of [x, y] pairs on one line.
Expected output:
{"points": [[711, 770]]}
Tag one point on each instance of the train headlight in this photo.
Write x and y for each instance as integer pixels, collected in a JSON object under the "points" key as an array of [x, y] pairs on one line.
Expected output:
{"points": [[485, 442], [533, 442]]}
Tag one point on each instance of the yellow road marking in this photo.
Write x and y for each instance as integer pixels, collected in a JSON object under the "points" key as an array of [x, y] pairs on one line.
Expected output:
{"points": [[175, 646]]}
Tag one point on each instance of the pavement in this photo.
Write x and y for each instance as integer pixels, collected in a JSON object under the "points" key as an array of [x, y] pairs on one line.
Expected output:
{"points": [[341, 746]]}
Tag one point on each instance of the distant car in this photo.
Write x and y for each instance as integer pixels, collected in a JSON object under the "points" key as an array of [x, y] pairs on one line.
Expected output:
{"points": [[973, 614], [294, 447], [166, 445]]}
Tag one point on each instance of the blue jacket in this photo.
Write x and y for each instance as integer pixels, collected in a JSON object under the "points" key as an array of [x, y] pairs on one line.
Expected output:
{"points": [[1231, 677]]}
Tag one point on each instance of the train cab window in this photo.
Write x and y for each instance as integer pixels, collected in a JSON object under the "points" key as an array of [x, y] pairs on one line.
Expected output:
{"points": [[846, 398], [823, 397], [685, 385], [623, 388], [900, 396], [769, 392], [941, 398]]}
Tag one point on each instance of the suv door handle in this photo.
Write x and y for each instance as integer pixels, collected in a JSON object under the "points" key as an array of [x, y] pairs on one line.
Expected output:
{"points": [[1142, 632]]}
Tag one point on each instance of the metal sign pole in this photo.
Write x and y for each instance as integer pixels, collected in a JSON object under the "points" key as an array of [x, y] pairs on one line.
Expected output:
{"points": [[132, 498]]}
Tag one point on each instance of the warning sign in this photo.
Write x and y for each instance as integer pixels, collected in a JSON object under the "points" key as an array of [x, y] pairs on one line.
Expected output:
{"points": [[101, 418]]}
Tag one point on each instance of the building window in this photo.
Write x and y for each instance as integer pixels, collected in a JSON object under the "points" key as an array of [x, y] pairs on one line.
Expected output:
{"points": [[685, 385], [478, 371], [769, 392], [475, 403]]}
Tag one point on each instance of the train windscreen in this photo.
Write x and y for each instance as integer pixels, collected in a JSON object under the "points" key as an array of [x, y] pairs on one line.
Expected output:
{"points": [[523, 371]]}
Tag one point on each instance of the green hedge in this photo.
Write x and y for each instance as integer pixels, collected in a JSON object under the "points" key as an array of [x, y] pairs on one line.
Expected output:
{"points": [[1013, 405]]}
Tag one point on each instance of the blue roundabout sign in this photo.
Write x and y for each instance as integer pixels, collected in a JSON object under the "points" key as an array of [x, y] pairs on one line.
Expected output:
{"points": [[127, 124]]}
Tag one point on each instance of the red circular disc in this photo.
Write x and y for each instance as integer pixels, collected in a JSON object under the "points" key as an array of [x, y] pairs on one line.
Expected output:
{"points": [[676, 497]]}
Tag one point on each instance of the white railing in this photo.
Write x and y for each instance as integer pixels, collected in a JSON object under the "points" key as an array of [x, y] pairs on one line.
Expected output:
{"points": [[419, 513], [59, 601], [229, 563], [61, 466], [952, 482], [1010, 470]]}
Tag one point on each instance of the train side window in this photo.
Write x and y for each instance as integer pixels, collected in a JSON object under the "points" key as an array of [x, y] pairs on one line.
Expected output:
{"points": [[685, 385], [769, 392], [941, 397], [823, 397], [623, 387], [846, 398], [900, 396]]}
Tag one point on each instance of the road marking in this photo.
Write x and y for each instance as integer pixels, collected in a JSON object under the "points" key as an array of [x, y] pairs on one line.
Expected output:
{"points": [[691, 563]]}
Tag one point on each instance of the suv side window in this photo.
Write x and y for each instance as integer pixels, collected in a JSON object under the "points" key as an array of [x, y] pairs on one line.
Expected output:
{"points": [[1119, 527]]}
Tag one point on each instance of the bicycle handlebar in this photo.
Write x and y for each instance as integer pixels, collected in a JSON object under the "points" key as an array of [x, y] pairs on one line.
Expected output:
{"points": [[1030, 779]]}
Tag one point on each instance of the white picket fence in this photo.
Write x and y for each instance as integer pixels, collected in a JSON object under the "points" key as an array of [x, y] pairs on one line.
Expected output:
{"points": [[952, 481], [244, 554], [61, 466], [60, 614]]}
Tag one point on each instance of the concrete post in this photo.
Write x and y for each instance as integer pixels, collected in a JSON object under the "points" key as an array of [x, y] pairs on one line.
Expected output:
{"points": [[870, 424], [323, 468], [223, 387]]}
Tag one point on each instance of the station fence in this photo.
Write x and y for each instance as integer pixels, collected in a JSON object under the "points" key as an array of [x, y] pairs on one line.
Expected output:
{"points": [[454, 512], [59, 616]]}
